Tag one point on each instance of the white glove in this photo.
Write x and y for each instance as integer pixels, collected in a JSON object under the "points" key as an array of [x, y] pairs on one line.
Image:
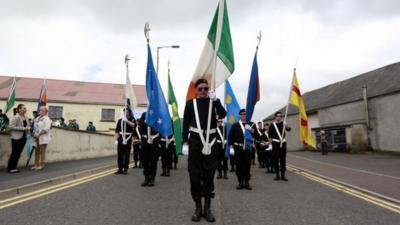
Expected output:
{"points": [[212, 95], [116, 143]]}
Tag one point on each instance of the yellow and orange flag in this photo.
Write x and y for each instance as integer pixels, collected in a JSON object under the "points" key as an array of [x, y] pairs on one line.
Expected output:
{"points": [[297, 100]]}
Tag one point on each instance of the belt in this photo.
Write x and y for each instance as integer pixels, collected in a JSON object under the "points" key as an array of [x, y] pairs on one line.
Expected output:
{"points": [[219, 141], [238, 144], [279, 141], [152, 136], [199, 131]]}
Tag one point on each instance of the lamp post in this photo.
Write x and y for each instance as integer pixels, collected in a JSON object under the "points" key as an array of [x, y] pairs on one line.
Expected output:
{"points": [[158, 52]]}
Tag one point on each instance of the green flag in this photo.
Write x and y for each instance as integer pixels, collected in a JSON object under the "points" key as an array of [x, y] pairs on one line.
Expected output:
{"points": [[11, 97], [175, 117]]}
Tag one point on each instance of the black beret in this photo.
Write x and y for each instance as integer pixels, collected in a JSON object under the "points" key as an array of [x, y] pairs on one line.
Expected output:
{"points": [[201, 81], [242, 111]]}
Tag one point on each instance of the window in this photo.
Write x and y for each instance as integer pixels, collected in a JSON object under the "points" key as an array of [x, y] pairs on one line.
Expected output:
{"points": [[108, 115], [55, 112]]}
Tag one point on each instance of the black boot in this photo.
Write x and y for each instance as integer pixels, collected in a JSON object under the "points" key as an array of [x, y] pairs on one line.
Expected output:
{"points": [[283, 177], [225, 175], [151, 182], [197, 212], [135, 166], [118, 172], [277, 177], [207, 211], [146, 181], [163, 172], [219, 175], [247, 185], [140, 165], [167, 172]]}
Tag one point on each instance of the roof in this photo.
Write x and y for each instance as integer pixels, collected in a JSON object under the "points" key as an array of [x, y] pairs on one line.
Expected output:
{"points": [[71, 91], [382, 81]]}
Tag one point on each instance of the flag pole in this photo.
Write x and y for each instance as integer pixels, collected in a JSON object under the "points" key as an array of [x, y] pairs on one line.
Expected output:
{"points": [[147, 35], [221, 9], [287, 106]]}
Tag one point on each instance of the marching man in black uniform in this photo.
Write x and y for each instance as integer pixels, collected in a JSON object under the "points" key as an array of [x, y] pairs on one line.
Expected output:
{"points": [[267, 148], [167, 148], [150, 152], [202, 160], [258, 131], [276, 134], [136, 144], [123, 140], [242, 153], [222, 160]]}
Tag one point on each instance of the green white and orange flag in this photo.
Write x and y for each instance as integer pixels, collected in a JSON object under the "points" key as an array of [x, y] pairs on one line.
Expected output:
{"points": [[175, 117], [297, 100], [11, 97], [216, 62]]}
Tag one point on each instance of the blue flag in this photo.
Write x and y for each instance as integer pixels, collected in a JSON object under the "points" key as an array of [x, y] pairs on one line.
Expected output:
{"points": [[42, 100], [157, 116], [253, 94], [232, 112]]}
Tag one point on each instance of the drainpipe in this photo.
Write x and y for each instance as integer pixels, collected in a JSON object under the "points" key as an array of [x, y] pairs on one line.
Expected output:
{"points": [[367, 121]]}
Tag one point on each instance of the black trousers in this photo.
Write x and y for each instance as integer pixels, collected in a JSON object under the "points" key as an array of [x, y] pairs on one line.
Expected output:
{"points": [[269, 159], [136, 152], [174, 156], [149, 158], [222, 160], [279, 157], [124, 152], [324, 148], [232, 161], [16, 148], [201, 168], [260, 154], [166, 156], [243, 163]]}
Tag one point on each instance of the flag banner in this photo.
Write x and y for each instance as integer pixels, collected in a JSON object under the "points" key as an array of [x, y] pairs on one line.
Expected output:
{"points": [[232, 113], [297, 100], [157, 116], [175, 117], [216, 62], [42, 100], [253, 93], [130, 97], [11, 97], [28, 145]]}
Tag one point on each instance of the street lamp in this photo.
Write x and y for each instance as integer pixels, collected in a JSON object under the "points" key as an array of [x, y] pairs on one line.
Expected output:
{"points": [[158, 51]]}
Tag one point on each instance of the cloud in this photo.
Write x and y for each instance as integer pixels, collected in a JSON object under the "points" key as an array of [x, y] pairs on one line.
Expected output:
{"points": [[87, 40]]}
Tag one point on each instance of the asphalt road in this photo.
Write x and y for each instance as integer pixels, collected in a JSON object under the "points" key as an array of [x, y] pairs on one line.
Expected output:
{"points": [[119, 199], [375, 172]]}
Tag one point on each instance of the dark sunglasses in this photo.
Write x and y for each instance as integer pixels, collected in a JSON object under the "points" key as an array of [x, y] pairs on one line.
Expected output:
{"points": [[203, 88]]}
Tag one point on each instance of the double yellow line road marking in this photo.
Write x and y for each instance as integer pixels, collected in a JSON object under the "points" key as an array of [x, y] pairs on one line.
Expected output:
{"points": [[49, 190], [387, 204]]}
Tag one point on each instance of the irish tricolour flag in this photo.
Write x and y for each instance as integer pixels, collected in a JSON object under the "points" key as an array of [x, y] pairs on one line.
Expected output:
{"points": [[216, 62]]}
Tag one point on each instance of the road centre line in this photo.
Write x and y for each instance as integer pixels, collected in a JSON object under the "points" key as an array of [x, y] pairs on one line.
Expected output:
{"points": [[392, 206], [49, 190]]}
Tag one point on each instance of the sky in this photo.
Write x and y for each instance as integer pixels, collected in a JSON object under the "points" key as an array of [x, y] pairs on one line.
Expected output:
{"points": [[86, 40]]}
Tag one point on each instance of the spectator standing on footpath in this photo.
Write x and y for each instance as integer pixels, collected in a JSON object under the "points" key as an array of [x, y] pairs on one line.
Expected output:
{"points": [[41, 137], [19, 128], [91, 127]]}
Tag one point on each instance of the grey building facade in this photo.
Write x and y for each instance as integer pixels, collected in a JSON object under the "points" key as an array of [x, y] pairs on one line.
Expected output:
{"points": [[359, 113]]}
